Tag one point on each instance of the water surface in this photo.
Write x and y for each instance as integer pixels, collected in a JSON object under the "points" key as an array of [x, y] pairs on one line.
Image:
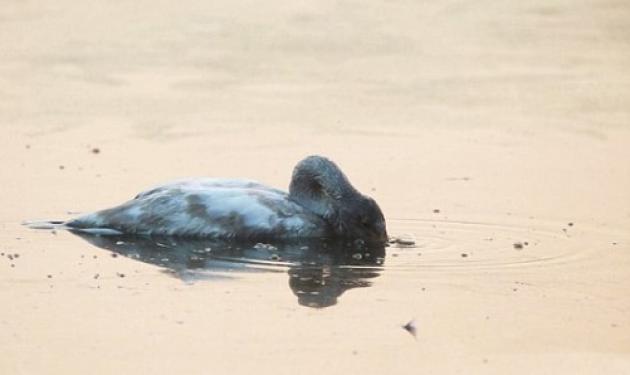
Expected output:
{"points": [[495, 135]]}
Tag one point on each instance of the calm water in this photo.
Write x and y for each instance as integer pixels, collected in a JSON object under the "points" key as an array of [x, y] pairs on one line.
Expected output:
{"points": [[495, 135]]}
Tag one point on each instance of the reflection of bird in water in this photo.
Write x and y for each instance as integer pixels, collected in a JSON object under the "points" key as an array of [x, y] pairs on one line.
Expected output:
{"points": [[319, 271], [320, 285], [321, 203]]}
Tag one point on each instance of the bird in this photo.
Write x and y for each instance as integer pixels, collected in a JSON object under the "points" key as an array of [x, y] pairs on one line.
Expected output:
{"points": [[321, 204]]}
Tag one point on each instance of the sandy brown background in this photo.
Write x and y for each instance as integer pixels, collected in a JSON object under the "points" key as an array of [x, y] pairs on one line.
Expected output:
{"points": [[512, 118]]}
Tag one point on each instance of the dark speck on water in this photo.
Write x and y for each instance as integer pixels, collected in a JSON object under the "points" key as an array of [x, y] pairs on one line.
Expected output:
{"points": [[96, 150], [518, 245], [411, 328], [49, 276], [114, 255], [96, 276], [403, 240], [464, 255], [120, 274], [570, 224], [61, 167], [436, 211]]}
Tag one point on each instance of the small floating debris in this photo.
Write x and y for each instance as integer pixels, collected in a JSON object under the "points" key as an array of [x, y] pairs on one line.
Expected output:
{"points": [[96, 276], [96, 150], [436, 210], [411, 328], [518, 246], [49, 276], [114, 255], [403, 239], [61, 167], [464, 255], [120, 274], [570, 224]]}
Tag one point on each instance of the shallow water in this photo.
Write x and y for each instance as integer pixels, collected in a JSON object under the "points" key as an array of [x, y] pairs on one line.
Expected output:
{"points": [[496, 136]]}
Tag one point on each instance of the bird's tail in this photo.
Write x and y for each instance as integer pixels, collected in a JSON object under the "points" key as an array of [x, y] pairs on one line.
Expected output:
{"points": [[46, 224], [73, 226]]}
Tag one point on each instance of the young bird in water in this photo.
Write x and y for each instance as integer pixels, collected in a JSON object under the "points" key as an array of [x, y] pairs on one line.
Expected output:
{"points": [[321, 203]]}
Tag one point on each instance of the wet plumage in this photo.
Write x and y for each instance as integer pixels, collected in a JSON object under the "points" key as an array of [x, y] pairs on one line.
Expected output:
{"points": [[321, 203]]}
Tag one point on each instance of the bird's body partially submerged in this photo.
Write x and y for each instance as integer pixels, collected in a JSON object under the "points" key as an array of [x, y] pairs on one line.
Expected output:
{"points": [[206, 208], [321, 203]]}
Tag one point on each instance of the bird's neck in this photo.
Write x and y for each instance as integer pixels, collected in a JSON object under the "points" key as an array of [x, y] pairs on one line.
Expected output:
{"points": [[320, 186]]}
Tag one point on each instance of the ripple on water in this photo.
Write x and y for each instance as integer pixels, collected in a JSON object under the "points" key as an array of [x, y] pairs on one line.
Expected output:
{"points": [[471, 245], [319, 272]]}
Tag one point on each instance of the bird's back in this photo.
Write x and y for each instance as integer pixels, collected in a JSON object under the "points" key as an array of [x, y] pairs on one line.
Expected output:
{"points": [[210, 208]]}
